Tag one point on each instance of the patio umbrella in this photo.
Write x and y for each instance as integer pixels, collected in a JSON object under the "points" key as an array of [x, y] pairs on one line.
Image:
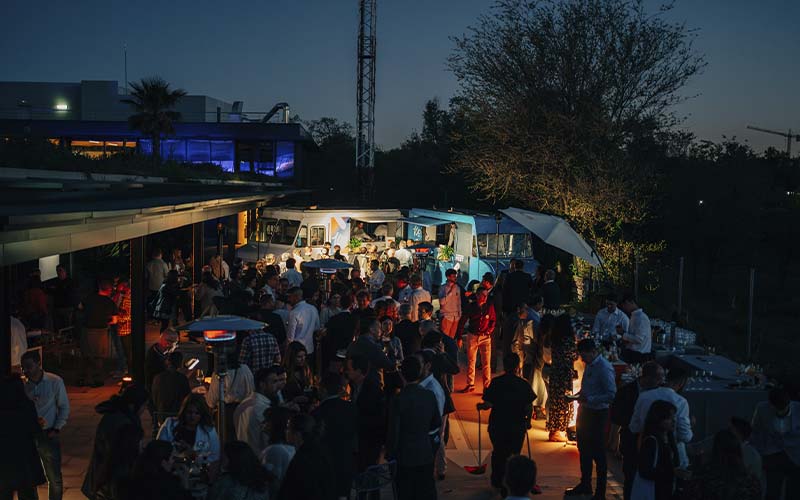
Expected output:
{"points": [[327, 264], [556, 232], [222, 322]]}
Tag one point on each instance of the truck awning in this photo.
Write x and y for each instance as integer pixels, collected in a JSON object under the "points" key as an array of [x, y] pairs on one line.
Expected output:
{"points": [[425, 221]]}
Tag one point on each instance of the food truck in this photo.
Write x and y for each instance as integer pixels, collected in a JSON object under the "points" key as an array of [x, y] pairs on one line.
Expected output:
{"points": [[281, 230], [480, 242]]}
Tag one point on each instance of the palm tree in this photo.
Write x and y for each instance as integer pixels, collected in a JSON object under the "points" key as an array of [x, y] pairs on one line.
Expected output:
{"points": [[152, 100]]}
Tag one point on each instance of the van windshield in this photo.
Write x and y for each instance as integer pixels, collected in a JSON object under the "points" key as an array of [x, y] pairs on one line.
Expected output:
{"points": [[517, 245], [278, 231]]}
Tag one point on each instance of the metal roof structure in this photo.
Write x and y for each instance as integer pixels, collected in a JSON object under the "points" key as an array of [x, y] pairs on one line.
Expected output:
{"points": [[49, 213]]}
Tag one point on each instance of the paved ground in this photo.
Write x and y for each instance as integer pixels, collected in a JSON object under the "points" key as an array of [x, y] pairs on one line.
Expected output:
{"points": [[557, 462]]}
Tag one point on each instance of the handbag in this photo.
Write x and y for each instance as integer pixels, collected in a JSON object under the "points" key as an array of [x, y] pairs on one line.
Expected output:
{"points": [[645, 489]]}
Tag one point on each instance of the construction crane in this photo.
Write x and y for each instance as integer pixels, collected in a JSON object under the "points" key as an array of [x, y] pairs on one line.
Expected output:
{"points": [[365, 99], [789, 136]]}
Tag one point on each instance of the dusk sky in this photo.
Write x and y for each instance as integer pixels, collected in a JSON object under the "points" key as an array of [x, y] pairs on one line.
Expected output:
{"points": [[304, 52]]}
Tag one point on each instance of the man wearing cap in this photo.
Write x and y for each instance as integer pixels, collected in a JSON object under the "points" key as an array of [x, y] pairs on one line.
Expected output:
{"points": [[598, 389]]}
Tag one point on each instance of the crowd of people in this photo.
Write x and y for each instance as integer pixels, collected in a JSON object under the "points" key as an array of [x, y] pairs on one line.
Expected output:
{"points": [[352, 377]]}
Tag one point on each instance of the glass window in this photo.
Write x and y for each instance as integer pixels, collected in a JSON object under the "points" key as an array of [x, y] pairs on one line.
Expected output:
{"points": [[174, 149], [509, 245], [302, 237], [278, 231], [284, 159], [317, 236]]}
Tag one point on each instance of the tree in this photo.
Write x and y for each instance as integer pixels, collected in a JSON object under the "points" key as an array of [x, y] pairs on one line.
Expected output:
{"points": [[152, 100], [559, 100]]}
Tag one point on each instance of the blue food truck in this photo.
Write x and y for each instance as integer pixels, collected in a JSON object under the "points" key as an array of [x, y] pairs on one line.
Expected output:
{"points": [[480, 242]]}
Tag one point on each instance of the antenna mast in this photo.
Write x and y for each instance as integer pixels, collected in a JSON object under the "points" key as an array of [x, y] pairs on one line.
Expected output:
{"points": [[365, 98]]}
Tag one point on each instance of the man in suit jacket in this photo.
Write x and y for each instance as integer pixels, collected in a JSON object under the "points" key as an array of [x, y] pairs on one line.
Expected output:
{"points": [[368, 345], [551, 293], [414, 415], [340, 331], [340, 435], [370, 404], [776, 435], [407, 331]]}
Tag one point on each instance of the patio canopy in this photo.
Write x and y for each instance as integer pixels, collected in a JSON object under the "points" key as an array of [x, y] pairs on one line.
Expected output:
{"points": [[554, 231]]}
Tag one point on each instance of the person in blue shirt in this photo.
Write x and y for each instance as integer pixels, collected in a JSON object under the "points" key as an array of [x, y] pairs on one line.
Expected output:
{"points": [[598, 389]]}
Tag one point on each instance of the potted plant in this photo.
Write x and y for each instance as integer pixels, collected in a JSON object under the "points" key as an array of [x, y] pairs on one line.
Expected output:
{"points": [[446, 253]]}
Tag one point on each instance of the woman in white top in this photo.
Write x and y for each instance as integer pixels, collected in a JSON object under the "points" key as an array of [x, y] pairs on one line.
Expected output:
{"points": [[192, 429], [278, 454]]}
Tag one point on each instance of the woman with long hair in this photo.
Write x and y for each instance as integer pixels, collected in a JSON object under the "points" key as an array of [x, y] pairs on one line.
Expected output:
{"points": [[243, 477], [726, 475], [559, 408], [278, 454], [658, 456], [193, 429], [298, 371]]}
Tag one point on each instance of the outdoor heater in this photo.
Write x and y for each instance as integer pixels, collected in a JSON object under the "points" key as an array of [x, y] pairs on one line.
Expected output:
{"points": [[220, 343]]}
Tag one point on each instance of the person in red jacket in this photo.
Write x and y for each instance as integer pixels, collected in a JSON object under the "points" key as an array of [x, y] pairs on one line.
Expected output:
{"points": [[482, 320]]}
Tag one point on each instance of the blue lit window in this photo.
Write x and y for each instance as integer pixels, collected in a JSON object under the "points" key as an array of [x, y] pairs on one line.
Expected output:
{"points": [[284, 164]]}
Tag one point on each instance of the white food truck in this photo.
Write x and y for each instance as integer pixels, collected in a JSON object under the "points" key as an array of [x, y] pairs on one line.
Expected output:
{"points": [[280, 230]]}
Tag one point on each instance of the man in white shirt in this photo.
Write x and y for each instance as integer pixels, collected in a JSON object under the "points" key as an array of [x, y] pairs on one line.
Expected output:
{"points": [[248, 418], [303, 320], [610, 321], [49, 395], [403, 255], [639, 337], [776, 436], [676, 380], [429, 382], [272, 284], [376, 278], [417, 297], [293, 275], [450, 303]]}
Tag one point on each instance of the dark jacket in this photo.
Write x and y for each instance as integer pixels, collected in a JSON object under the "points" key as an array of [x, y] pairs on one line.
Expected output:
{"points": [[413, 416], [154, 363], [115, 416], [274, 323], [309, 476], [624, 404], [19, 461], [551, 295], [373, 351], [339, 438], [169, 389], [517, 289], [371, 409], [341, 329], [408, 333]]}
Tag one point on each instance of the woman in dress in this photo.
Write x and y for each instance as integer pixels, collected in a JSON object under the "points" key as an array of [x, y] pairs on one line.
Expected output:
{"points": [[298, 372], [192, 431], [243, 477], [559, 408]]}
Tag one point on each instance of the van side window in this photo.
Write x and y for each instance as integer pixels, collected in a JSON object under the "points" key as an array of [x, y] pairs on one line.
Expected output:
{"points": [[317, 236], [302, 237]]}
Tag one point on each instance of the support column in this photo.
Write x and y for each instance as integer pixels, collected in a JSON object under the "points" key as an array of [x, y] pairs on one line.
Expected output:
{"points": [[5, 321], [198, 252], [138, 309]]}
